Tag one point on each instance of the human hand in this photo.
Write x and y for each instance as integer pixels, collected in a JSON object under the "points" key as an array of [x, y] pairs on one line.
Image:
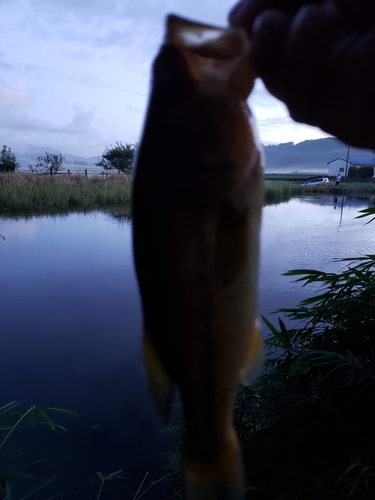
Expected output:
{"points": [[318, 57]]}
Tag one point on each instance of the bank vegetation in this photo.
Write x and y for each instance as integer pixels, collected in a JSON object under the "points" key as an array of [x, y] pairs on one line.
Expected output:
{"points": [[24, 191]]}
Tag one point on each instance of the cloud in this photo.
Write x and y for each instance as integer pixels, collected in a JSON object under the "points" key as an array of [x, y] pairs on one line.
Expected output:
{"points": [[18, 119], [80, 124], [3, 64], [18, 126], [75, 74], [109, 23], [143, 9], [13, 96]]}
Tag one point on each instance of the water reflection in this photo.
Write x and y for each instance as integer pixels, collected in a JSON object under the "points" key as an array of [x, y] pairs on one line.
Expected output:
{"points": [[308, 233], [71, 325]]}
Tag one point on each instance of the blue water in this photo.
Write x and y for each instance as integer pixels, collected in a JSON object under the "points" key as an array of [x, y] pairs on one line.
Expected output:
{"points": [[70, 326], [308, 233]]}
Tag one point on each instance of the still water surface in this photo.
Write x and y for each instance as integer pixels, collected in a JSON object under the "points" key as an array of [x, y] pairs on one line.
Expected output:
{"points": [[70, 325]]}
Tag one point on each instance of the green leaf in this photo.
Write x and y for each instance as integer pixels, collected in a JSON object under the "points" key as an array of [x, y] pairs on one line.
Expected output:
{"points": [[269, 324], [100, 475], [115, 475]]}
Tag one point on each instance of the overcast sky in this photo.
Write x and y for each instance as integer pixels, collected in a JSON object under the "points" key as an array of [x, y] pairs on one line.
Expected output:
{"points": [[74, 74]]}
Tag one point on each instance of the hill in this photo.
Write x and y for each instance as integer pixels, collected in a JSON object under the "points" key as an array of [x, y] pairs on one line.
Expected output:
{"points": [[32, 152], [310, 155]]}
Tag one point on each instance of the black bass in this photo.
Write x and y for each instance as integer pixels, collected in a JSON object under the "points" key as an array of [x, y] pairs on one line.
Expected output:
{"points": [[197, 202]]}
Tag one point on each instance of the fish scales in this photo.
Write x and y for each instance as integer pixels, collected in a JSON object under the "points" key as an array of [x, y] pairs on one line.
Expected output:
{"points": [[197, 201]]}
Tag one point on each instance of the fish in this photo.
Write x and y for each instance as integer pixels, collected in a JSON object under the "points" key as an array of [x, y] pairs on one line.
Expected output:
{"points": [[197, 200]]}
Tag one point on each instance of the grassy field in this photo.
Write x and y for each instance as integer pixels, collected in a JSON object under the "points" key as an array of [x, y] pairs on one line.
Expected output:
{"points": [[23, 191], [26, 191], [278, 191], [278, 183], [366, 189], [297, 176]]}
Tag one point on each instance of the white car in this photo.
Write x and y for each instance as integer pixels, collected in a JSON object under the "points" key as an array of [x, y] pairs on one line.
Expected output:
{"points": [[315, 181]]}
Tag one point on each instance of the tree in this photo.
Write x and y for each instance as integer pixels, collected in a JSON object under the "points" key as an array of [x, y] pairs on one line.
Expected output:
{"points": [[8, 160], [49, 163], [119, 157]]}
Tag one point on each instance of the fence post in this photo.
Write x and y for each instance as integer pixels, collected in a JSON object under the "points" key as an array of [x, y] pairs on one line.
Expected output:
{"points": [[85, 172]]}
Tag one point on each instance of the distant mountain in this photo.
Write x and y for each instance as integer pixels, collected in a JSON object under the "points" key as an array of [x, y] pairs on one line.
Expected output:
{"points": [[288, 157], [32, 152], [309, 155], [80, 160]]}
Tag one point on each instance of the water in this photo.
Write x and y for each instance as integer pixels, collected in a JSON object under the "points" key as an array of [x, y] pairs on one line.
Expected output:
{"points": [[70, 324], [308, 233], [70, 337]]}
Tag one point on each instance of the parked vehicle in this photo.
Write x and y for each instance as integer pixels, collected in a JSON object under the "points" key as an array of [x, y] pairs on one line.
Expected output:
{"points": [[315, 181]]}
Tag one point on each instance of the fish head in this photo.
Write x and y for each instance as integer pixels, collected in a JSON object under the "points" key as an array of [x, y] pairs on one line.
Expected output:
{"points": [[217, 59], [204, 60], [201, 79]]}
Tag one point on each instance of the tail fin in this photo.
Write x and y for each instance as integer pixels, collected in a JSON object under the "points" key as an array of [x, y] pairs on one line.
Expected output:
{"points": [[218, 479]]}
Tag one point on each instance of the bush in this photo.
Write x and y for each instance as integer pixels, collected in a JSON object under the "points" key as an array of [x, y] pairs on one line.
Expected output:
{"points": [[353, 172], [363, 172], [366, 172], [119, 157], [49, 163], [309, 421], [8, 160]]}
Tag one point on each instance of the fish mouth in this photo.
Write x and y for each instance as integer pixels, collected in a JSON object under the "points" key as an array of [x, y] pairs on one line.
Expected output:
{"points": [[214, 58], [212, 42]]}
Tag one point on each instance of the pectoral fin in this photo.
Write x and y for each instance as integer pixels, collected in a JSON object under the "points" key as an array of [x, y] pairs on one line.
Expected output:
{"points": [[254, 362], [160, 383]]}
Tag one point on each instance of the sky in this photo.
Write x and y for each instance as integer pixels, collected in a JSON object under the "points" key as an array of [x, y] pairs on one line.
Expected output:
{"points": [[74, 74]]}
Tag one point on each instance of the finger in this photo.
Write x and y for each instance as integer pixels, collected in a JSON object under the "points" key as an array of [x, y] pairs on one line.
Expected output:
{"points": [[306, 57], [347, 101], [270, 34], [244, 12]]}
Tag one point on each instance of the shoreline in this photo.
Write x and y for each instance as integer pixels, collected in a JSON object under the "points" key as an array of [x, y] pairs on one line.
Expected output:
{"points": [[32, 192]]}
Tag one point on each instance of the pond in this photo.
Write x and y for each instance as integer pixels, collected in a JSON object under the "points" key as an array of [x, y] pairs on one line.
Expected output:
{"points": [[70, 325]]}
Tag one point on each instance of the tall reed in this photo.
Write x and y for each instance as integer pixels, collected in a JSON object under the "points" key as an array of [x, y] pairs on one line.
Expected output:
{"points": [[278, 191], [30, 191]]}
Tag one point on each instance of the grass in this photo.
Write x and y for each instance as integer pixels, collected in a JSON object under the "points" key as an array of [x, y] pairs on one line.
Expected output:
{"points": [[24, 191], [298, 176], [308, 423], [278, 191], [12, 465], [15, 473], [366, 189], [367, 186]]}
